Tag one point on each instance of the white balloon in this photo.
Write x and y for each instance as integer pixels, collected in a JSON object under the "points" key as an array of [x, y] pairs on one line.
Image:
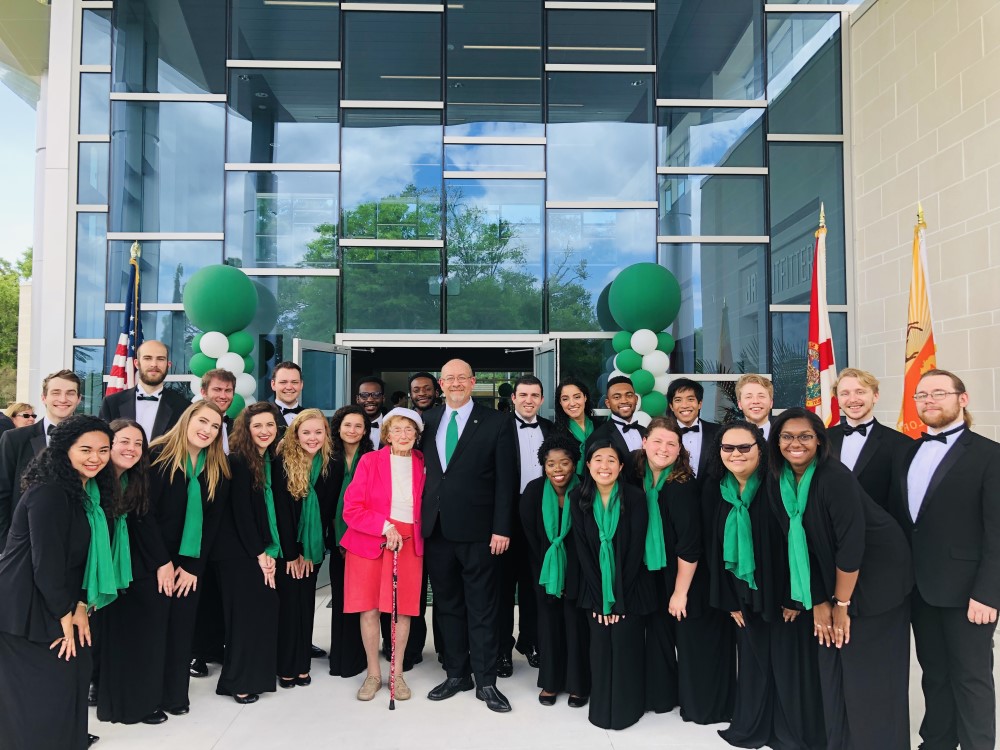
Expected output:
{"points": [[197, 396], [616, 373], [642, 418], [661, 383], [231, 361], [644, 341], [656, 362], [214, 344], [249, 400], [246, 385]]}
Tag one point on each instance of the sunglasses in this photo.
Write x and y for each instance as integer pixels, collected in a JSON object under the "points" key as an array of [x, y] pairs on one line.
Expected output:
{"points": [[26, 415], [744, 449]]}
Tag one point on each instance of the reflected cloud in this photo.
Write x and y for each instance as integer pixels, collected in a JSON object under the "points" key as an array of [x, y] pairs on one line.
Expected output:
{"points": [[591, 161]]}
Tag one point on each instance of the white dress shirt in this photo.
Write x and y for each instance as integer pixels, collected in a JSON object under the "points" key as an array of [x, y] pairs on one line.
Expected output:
{"points": [[290, 416], [765, 428], [529, 440], [463, 417], [145, 410], [853, 444], [225, 437], [376, 432], [632, 438], [692, 442], [925, 462]]}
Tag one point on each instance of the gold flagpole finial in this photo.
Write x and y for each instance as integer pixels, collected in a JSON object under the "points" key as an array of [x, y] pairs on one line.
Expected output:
{"points": [[136, 250], [822, 216], [920, 213]]}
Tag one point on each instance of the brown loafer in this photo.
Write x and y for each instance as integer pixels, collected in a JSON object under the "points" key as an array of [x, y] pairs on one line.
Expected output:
{"points": [[371, 686]]}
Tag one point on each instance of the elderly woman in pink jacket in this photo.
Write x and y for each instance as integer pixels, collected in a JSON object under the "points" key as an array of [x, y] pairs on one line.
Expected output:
{"points": [[382, 513]]}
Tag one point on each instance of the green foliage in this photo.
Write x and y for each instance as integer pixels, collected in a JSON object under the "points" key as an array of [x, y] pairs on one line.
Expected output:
{"points": [[12, 273]]}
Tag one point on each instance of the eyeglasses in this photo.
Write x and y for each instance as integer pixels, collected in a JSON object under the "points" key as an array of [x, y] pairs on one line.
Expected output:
{"points": [[370, 396], [744, 448], [933, 395], [26, 415], [402, 431], [456, 379], [804, 439]]}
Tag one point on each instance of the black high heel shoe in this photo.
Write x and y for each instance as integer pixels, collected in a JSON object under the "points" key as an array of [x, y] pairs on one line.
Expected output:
{"points": [[303, 681], [287, 682], [547, 700]]}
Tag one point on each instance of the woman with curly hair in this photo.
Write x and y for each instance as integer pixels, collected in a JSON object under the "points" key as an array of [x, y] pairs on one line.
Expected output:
{"points": [[244, 556], [575, 414], [189, 491], [56, 565], [305, 495]]}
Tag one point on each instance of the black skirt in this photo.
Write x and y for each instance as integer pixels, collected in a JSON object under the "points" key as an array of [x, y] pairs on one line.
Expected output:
{"points": [[661, 661], [617, 668], [706, 667], [563, 646], [182, 616], [296, 610], [347, 652], [250, 611]]}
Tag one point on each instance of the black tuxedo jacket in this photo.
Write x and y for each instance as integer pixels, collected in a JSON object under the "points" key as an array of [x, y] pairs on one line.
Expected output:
{"points": [[609, 431], [121, 405], [956, 536], [17, 448], [709, 432], [873, 469], [6, 423], [474, 498]]}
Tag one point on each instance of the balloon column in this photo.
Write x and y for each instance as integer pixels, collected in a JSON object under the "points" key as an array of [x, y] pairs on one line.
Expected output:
{"points": [[222, 301], [644, 299]]}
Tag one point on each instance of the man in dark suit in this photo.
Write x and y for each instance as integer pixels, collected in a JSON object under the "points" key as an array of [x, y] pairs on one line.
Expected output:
{"points": [[154, 407], [60, 396], [684, 397], [862, 443], [755, 398], [467, 515], [287, 384], [624, 432], [946, 496], [530, 429]]}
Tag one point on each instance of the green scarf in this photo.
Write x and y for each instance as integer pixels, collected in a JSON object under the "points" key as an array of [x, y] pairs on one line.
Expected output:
{"points": [[274, 548], [99, 573], [310, 525], [794, 499], [655, 555], [553, 576], [581, 434], [339, 525], [121, 550], [737, 540], [194, 515], [607, 523]]}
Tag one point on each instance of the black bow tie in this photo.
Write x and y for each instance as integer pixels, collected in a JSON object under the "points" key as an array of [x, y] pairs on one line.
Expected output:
{"points": [[861, 429], [630, 426], [694, 428], [48, 430], [375, 425], [290, 409], [141, 397], [941, 437], [524, 424]]}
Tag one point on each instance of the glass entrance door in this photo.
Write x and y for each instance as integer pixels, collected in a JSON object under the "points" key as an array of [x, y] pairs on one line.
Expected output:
{"points": [[326, 374], [547, 370]]}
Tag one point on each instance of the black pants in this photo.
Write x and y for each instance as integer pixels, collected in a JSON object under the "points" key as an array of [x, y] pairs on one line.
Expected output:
{"points": [[210, 627], [296, 611], [563, 645], [466, 581], [250, 609], [617, 666], [661, 662], [956, 657], [517, 587], [181, 620], [706, 667]]}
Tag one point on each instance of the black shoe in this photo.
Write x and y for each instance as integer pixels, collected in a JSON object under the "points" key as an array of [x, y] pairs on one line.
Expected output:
{"points": [[577, 701], [92, 694], [495, 700], [287, 682], [249, 698], [198, 668], [533, 658], [316, 652], [547, 700], [450, 687], [91, 739], [179, 711], [505, 667], [157, 717], [303, 681]]}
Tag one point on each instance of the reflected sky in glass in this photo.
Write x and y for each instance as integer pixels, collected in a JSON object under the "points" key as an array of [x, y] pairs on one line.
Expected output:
{"points": [[91, 265], [95, 104], [166, 267], [712, 205], [707, 137]]}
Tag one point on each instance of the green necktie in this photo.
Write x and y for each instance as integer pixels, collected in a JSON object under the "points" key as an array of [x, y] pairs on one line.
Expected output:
{"points": [[451, 438]]}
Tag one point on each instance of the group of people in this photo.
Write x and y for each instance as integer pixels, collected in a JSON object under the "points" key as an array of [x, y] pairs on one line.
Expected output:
{"points": [[764, 573]]}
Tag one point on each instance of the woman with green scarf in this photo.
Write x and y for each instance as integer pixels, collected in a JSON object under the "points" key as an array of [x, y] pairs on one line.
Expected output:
{"points": [[305, 496], [575, 414], [189, 490], [56, 564], [609, 519], [546, 516], [245, 554], [849, 571]]}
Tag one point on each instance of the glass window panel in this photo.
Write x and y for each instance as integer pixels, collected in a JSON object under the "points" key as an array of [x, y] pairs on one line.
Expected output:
{"points": [[91, 254], [710, 137], [95, 103], [88, 363], [789, 343], [601, 138], [167, 170], [586, 250], [804, 73], [281, 219], [600, 37], [300, 30], [92, 174], [712, 205], [584, 359], [95, 46], [709, 52], [390, 290], [494, 84], [283, 116], [391, 179], [166, 267], [307, 309], [802, 175], [493, 158], [495, 255], [722, 324], [170, 46], [392, 56], [170, 327]]}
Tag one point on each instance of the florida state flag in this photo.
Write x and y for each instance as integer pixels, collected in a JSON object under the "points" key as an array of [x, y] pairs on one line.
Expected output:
{"points": [[821, 369], [920, 349]]}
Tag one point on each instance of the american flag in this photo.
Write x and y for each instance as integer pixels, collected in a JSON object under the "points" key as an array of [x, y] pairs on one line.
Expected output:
{"points": [[123, 366]]}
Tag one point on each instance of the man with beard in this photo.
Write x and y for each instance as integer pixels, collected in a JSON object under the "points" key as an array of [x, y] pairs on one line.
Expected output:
{"points": [[370, 397], [423, 391], [154, 407]]}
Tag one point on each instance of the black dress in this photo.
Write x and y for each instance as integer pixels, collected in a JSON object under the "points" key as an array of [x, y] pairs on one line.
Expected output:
{"points": [[347, 652], [563, 633], [43, 699], [617, 652], [249, 605]]}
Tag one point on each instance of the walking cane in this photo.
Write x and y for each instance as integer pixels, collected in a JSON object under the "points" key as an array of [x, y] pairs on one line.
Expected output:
{"points": [[395, 616]]}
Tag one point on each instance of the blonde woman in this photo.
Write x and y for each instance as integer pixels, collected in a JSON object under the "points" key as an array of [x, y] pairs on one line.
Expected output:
{"points": [[21, 414], [188, 492], [305, 495]]}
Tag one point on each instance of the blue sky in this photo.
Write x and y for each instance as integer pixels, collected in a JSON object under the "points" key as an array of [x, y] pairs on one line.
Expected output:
{"points": [[17, 173]]}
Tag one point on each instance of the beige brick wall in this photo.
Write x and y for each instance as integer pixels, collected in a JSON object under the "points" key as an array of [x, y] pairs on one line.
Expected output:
{"points": [[925, 105]]}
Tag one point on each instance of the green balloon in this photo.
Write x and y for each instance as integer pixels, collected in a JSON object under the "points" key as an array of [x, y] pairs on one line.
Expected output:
{"points": [[628, 361], [643, 382], [622, 341], [665, 342], [220, 298], [654, 404], [645, 295], [200, 364], [604, 317], [248, 364], [236, 407], [196, 343], [267, 311], [241, 342]]}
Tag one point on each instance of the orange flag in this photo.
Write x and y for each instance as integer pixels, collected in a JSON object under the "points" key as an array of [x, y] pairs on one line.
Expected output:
{"points": [[920, 349]]}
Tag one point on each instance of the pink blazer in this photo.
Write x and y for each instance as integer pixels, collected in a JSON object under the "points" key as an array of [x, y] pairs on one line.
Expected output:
{"points": [[368, 501]]}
